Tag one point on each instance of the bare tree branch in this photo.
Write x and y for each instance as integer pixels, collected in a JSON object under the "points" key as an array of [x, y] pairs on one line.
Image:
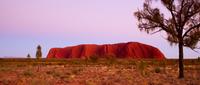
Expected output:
{"points": [[157, 31], [196, 26], [180, 16], [173, 15]]}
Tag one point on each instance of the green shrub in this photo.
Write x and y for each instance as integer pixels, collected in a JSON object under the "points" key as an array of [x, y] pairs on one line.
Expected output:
{"points": [[111, 59], [28, 73], [198, 58], [21, 65], [76, 62], [131, 62], [39, 81], [142, 65], [4, 82], [5, 69], [65, 78], [76, 71], [35, 64], [49, 72], [93, 58], [89, 82], [154, 62], [54, 73], [157, 70], [163, 64]]}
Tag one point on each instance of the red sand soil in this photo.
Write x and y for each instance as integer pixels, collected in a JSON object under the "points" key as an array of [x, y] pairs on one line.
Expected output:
{"points": [[97, 74], [121, 50]]}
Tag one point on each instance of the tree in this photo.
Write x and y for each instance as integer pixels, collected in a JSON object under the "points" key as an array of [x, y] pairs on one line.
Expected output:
{"points": [[182, 27], [28, 56], [39, 52], [39, 55]]}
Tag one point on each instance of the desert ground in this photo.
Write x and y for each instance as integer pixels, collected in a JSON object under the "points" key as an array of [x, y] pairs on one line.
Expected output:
{"points": [[97, 72]]}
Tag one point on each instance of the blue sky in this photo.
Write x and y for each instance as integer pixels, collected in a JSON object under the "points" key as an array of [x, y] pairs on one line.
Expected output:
{"points": [[59, 23]]}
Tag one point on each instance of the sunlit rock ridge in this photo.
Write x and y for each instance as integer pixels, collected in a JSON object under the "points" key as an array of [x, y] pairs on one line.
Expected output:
{"points": [[133, 50]]}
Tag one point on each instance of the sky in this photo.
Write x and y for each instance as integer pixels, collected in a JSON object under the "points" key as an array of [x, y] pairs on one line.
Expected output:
{"points": [[24, 24]]}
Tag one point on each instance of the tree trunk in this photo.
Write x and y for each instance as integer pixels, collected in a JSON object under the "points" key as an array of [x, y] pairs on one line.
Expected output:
{"points": [[181, 68]]}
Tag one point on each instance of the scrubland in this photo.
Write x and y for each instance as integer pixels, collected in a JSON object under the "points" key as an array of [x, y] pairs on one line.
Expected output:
{"points": [[97, 72]]}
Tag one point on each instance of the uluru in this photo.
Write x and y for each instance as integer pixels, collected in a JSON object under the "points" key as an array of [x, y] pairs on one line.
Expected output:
{"points": [[133, 50]]}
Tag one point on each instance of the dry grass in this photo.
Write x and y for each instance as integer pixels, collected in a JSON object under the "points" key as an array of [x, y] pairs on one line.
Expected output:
{"points": [[100, 72]]}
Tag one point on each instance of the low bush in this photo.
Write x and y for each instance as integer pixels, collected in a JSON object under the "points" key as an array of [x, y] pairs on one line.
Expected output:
{"points": [[21, 65], [5, 69], [132, 62], [76, 70], [75, 62], [54, 73], [5, 82], [28, 73], [142, 65], [93, 58], [157, 70], [111, 60]]}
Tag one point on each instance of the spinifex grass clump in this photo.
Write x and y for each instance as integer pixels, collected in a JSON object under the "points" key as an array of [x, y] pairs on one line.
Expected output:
{"points": [[54, 73], [76, 71], [142, 65], [93, 58], [5, 69], [21, 65], [5, 82], [111, 59], [28, 73], [132, 62], [154, 62], [157, 70]]}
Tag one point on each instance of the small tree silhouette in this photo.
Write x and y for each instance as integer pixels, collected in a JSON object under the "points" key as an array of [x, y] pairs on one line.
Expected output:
{"points": [[39, 55], [28, 56], [39, 52]]}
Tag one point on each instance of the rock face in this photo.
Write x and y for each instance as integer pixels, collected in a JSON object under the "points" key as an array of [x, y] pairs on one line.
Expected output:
{"points": [[121, 50]]}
